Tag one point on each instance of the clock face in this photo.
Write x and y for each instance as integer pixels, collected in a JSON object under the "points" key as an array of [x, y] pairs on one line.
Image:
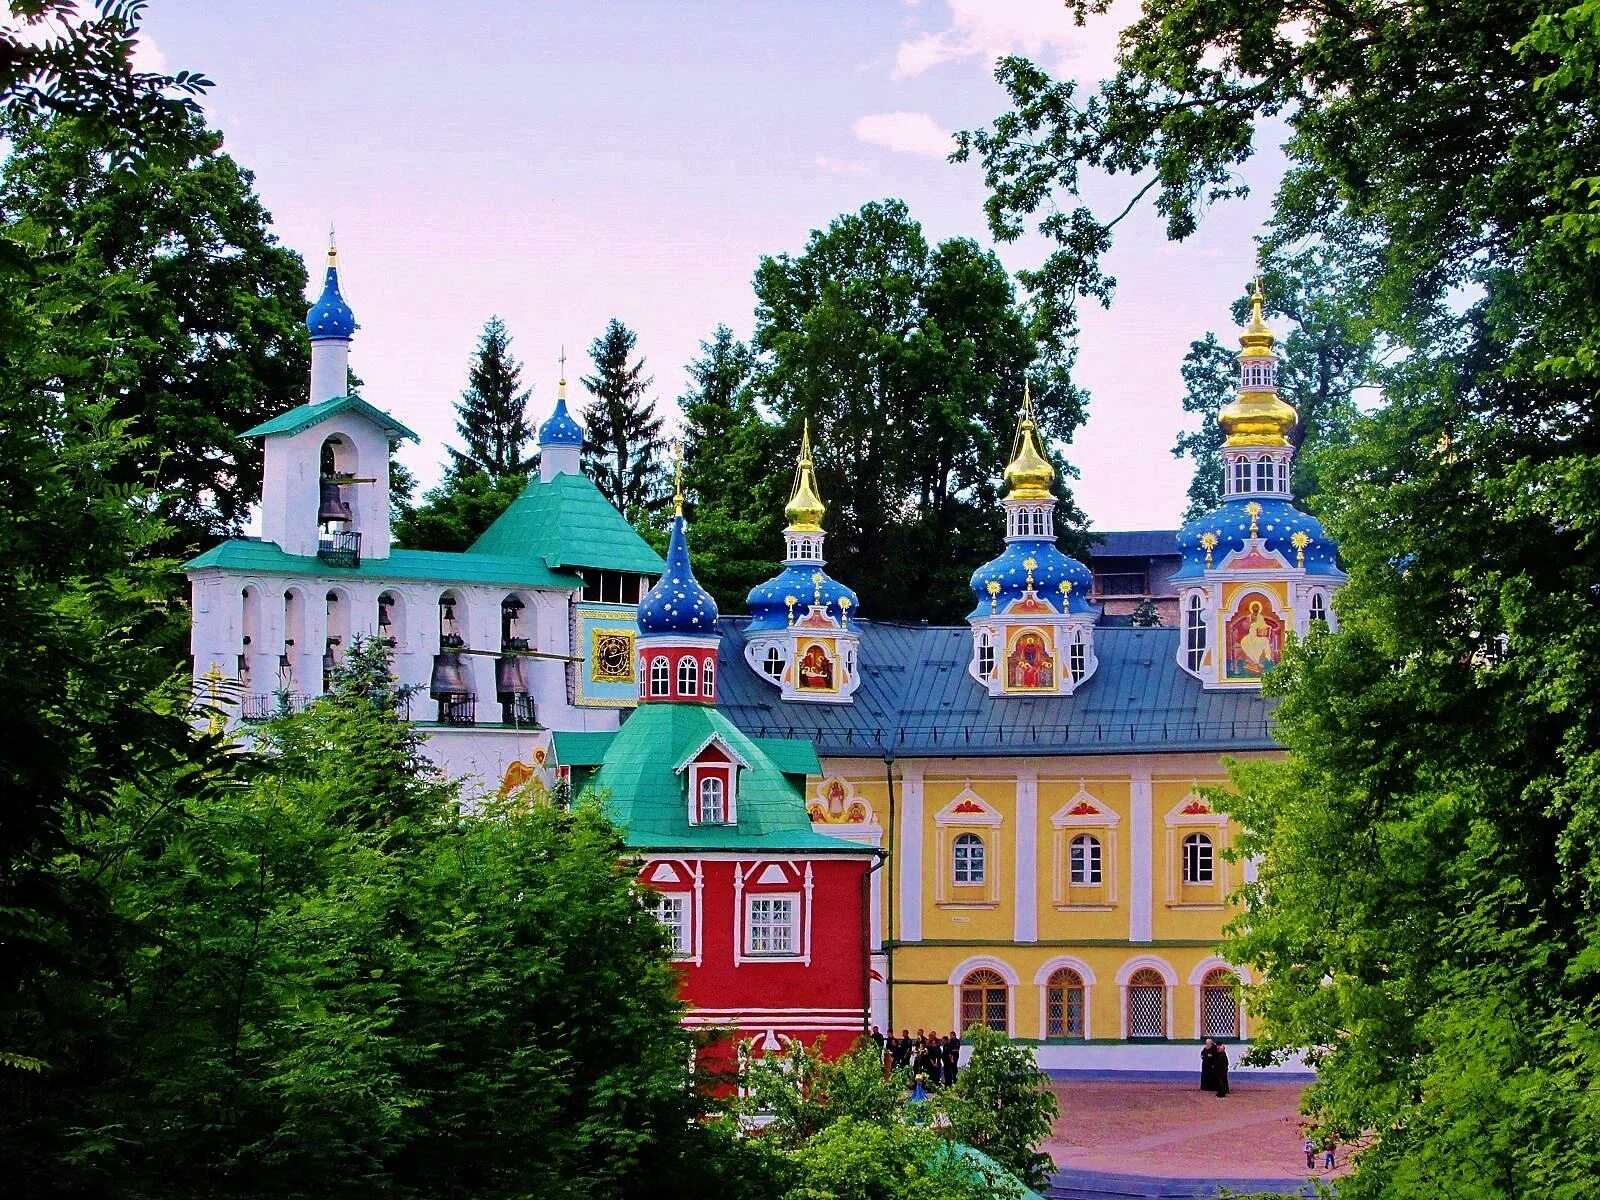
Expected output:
{"points": [[612, 659]]}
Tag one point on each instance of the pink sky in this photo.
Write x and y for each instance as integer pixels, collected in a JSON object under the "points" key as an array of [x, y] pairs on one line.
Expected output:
{"points": [[563, 163]]}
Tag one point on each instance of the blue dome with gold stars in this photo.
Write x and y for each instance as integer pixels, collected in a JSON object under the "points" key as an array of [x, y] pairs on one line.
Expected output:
{"points": [[769, 601], [330, 316], [1277, 523], [678, 606], [560, 429], [1051, 568]]}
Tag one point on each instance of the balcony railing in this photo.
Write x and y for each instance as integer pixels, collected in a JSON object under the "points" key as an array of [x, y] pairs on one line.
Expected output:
{"points": [[340, 548], [458, 710], [518, 711]]}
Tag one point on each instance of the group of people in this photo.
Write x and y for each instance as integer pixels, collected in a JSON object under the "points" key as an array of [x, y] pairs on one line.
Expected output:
{"points": [[933, 1059], [1213, 1068]]}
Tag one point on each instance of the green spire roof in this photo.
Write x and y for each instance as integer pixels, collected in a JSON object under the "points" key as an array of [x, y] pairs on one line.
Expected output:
{"points": [[566, 522], [646, 795]]}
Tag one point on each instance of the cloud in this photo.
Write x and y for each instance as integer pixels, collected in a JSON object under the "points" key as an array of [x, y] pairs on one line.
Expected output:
{"points": [[905, 133], [841, 166], [988, 29], [147, 56]]}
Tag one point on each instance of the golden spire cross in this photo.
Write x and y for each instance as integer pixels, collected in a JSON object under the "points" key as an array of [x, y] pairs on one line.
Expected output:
{"points": [[561, 383], [333, 247], [677, 477], [1208, 541], [1254, 510]]}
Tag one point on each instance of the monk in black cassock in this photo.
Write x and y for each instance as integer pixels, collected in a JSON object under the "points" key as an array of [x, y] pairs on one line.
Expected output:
{"points": [[952, 1057], [1213, 1068]]}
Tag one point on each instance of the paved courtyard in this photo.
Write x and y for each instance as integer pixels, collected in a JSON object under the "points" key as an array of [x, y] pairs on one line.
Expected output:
{"points": [[1172, 1129]]}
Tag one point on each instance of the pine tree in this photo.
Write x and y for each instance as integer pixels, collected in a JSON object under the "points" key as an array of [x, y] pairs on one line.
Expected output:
{"points": [[623, 453], [493, 411]]}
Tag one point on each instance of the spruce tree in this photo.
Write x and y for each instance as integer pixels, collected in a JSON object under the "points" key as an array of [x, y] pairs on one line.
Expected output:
{"points": [[623, 453], [493, 411]]}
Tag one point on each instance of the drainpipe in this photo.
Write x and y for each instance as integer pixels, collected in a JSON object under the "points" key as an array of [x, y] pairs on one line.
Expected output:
{"points": [[893, 900], [866, 936]]}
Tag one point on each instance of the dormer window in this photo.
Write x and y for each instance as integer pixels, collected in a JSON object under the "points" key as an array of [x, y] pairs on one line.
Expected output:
{"points": [[985, 655], [772, 663], [1194, 633], [1319, 608], [1078, 660], [711, 784], [713, 803]]}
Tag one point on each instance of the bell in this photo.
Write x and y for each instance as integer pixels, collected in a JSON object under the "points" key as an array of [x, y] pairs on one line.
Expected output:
{"points": [[449, 677], [332, 509], [509, 679]]}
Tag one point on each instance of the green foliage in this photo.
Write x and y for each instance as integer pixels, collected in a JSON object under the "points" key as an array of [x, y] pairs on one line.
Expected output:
{"points": [[454, 515], [169, 300], [909, 360], [492, 414], [1426, 913], [1002, 1104], [623, 450], [800, 1092], [854, 1159]]}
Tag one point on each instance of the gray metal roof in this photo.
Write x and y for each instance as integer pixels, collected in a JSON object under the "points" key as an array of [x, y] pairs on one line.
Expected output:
{"points": [[916, 700], [1136, 543]]}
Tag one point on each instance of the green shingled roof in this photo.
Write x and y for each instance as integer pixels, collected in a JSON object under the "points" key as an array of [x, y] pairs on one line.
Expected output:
{"points": [[308, 415], [252, 555], [566, 522], [645, 795]]}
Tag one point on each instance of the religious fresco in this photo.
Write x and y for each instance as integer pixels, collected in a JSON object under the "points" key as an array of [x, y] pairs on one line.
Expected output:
{"points": [[1030, 664], [816, 665], [1254, 638], [838, 805]]}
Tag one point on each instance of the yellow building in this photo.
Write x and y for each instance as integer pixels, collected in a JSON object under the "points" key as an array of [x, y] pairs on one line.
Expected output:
{"points": [[1037, 777]]}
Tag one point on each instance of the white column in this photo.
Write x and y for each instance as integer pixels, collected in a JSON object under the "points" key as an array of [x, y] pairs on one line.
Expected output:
{"points": [[330, 368], [909, 843], [1141, 889], [1025, 921]]}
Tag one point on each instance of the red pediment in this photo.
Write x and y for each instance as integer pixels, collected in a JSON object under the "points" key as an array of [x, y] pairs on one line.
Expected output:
{"points": [[1196, 808], [968, 808], [1254, 559], [1084, 809]]}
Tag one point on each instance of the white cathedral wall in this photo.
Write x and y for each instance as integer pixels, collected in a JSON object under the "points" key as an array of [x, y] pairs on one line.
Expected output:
{"points": [[291, 486]]}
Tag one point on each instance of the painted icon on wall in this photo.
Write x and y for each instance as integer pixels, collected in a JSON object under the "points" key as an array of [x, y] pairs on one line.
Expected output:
{"points": [[1030, 666], [1254, 637]]}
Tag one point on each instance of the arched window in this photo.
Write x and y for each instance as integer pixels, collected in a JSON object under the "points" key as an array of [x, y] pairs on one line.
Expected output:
{"points": [[1319, 607], [1241, 475], [1064, 1004], [708, 679], [660, 678], [1194, 633], [967, 866], [1078, 659], [1083, 860], [985, 1000], [1263, 474], [985, 655], [688, 677], [1147, 1004], [713, 808], [1197, 861], [1219, 1004], [772, 664]]}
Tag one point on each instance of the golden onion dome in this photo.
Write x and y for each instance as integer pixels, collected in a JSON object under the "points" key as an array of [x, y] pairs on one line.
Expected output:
{"points": [[1257, 416], [1029, 473], [805, 509]]}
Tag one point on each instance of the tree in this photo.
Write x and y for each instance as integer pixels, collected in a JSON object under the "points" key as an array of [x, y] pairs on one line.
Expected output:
{"points": [[909, 361], [1002, 1104], [492, 413], [731, 472], [200, 307], [454, 514], [1425, 915], [623, 450]]}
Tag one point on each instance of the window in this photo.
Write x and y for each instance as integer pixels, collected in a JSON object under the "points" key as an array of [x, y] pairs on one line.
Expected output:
{"points": [[688, 677], [709, 678], [1197, 866], [1241, 475], [1078, 659], [1120, 583], [660, 680], [672, 912], [1147, 1004], [1064, 1004], [1319, 607], [772, 664], [712, 808], [985, 1000], [967, 858], [1263, 474], [1219, 1004], [1036, 522], [985, 656], [612, 587], [771, 924], [1194, 633], [1084, 860]]}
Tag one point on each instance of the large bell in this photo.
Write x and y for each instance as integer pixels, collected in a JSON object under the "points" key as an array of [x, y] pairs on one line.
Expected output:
{"points": [[450, 676], [332, 508], [509, 679]]}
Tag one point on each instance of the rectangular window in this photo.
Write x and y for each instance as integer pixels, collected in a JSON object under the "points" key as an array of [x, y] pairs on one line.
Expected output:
{"points": [[770, 925], [673, 913]]}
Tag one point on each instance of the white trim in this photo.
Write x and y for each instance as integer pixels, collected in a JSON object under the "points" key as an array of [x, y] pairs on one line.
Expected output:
{"points": [[909, 847], [979, 962], [798, 944], [1160, 965], [1025, 883], [948, 815], [1176, 816], [733, 755], [1042, 975], [1169, 979], [984, 963], [1197, 983], [1102, 816], [1041, 980], [1141, 887]]}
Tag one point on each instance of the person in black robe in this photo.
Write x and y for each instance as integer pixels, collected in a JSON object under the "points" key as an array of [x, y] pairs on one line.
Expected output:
{"points": [[1213, 1069], [952, 1057], [1220, 1072]]}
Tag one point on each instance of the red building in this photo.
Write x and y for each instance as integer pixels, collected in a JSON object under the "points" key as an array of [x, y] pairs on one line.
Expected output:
{"points": [[768, 916]]}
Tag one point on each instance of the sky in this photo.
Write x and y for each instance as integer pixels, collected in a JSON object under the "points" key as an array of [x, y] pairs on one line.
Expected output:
{"points": [[559, 164]]}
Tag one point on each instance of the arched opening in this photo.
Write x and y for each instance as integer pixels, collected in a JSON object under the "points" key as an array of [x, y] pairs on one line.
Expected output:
{"points": [[712, 807], [772, 663], [1083, 860], [1198, 859], [708, 679], [985, 654], [967, 866], [688, 676], [391, 625], [1194, 633], [985, 1000], [451, 681], [1319, 608], [1147, 1004], [1219, 1004], [338, 537], [1064, 1004], [660, 677], [294, 646], [1078, 658], [512, 681], [336, 643]]}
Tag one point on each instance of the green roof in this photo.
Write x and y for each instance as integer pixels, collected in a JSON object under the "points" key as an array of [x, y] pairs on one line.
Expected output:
{"points": [[792, 756], [566, 522], [253, 555], [308, 415], [579, 749], [644, 793]]}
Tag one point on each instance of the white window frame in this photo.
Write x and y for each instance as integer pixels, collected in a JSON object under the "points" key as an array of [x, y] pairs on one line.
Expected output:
{"points": [[708, 679], [772, 663], [1194, 632], [755, 903], [1191, 870], [706, 782], [688, 676], [677, 923], [1087, 869], [986, 656], [660, 677], [976, 865]]}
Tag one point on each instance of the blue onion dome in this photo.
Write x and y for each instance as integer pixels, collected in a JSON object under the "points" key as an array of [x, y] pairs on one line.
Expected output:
{"points": [[769, 601], [560, 429], [1010, 574], [330, 316], [678, 605], [1283, 529]]}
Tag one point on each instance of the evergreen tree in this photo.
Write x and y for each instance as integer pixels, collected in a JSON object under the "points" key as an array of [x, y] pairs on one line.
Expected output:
{"points": [[731, 472], [493, 413], [624, 452], [454, 514]]}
